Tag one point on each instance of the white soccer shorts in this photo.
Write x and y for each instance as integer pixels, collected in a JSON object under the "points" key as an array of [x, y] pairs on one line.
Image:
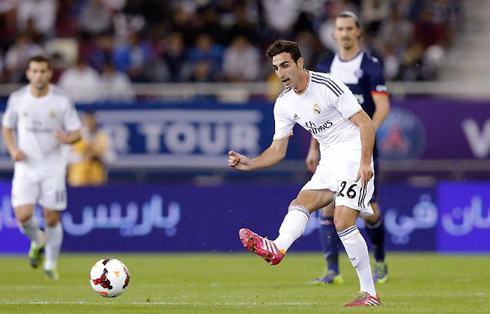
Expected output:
{"points": [[337, 172], [49, 192]]}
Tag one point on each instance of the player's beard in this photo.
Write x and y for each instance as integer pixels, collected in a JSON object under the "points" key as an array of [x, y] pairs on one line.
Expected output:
{"points": [[41, 86], [347, 44]]}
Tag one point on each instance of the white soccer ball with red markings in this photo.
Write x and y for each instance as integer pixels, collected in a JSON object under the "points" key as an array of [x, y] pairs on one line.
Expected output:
{"points": [[109, 277]]}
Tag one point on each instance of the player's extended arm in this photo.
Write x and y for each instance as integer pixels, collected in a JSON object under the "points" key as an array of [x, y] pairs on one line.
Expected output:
{"points": [[15, 153], [366, 126], [313, 156], [382, 103], [68, 138], [271, 156]]}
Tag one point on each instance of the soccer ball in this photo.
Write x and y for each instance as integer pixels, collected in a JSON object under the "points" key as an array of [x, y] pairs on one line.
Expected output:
{"points": [[109, 277]]}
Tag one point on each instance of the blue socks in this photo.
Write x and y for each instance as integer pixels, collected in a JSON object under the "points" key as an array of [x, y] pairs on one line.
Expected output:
{"points": [[330, 243], [376, 234]]}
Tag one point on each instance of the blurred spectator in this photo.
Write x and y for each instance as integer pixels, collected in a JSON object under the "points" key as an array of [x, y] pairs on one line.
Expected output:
{"points": [[244, 24], [391, 64], [241, 61], [67, 19], [96, 18], [18, 55], [202, 72], [90, 156], [116, 86], [101, 52], [142, 15], [373, 13], [210, 24], [175, 58], [7, 5], [427, 31], [433, 59], [139, 37], [115, 5], [182, 24], [411, 62], [8, 17], [41, 12], [134, 57], [281, 15], [206, 57], [311, 49], [81, 82], [395, 29]]}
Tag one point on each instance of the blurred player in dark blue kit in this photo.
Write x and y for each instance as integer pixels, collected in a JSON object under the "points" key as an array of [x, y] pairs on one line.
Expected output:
{"points": [[364, 77]]}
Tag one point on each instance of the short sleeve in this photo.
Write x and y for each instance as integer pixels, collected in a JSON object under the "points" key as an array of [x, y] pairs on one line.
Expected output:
{"points": [[10, 116], [343, 99], [377, 83], [71, 120], [283, 126]]}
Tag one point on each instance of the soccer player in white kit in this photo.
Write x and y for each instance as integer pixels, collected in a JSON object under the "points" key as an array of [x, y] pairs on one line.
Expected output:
{"points": [[329, 111], [363, 75], [44, 119]]}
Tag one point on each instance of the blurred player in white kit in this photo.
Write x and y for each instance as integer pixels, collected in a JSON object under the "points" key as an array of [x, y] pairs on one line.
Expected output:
{"points": [[43, 118]]}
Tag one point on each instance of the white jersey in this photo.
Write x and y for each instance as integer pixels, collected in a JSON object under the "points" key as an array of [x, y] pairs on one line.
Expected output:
{"points": [[36, 121], [323, 109]]}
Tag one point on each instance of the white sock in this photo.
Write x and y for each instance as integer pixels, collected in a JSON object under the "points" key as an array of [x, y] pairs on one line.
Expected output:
{"points": [[292, 227], [54, 238], [31, 229], [356, 249]]}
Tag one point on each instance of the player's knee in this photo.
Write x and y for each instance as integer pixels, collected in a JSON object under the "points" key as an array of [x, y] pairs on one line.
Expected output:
{"points": [[23, 217], [23, 213], [341, 224], [51, 219], [372, 219], [52, 222]]}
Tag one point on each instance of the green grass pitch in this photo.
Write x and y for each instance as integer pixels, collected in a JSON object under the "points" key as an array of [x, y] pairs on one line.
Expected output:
{"points": [[243, 283]]}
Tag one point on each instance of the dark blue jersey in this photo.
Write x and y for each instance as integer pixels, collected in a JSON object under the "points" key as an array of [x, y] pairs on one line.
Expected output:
{"points": [[362, 74], [364, 77]]}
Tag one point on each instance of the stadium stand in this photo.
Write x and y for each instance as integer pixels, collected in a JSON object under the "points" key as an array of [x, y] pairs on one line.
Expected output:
{"points": [[137, 37]]}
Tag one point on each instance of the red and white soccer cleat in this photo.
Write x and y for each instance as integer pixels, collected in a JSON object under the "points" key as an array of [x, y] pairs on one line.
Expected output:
{"points": [[263, 247], [365, 299]]}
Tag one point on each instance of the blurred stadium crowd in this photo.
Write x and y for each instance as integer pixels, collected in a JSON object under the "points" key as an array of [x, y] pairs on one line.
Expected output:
{"points": [[107, 44]]}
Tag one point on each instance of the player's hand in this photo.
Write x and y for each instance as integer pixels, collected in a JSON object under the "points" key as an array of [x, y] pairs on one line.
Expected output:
{"points": [[18, 155], [364, 174], [239, 161], [62, 137], [312, 159]]}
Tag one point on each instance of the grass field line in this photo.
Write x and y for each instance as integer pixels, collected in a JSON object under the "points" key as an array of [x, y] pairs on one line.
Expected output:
{"points": [[159, 285], [224, 304], [218, 285]]}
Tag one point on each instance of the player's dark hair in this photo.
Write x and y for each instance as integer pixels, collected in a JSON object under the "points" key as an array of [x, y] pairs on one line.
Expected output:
{"points": [[280, 46], [351, 15], [41, 59]]}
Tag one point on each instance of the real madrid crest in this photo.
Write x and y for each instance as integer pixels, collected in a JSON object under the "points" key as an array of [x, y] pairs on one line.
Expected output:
{"points": [[52, 114], [316, 109]]}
